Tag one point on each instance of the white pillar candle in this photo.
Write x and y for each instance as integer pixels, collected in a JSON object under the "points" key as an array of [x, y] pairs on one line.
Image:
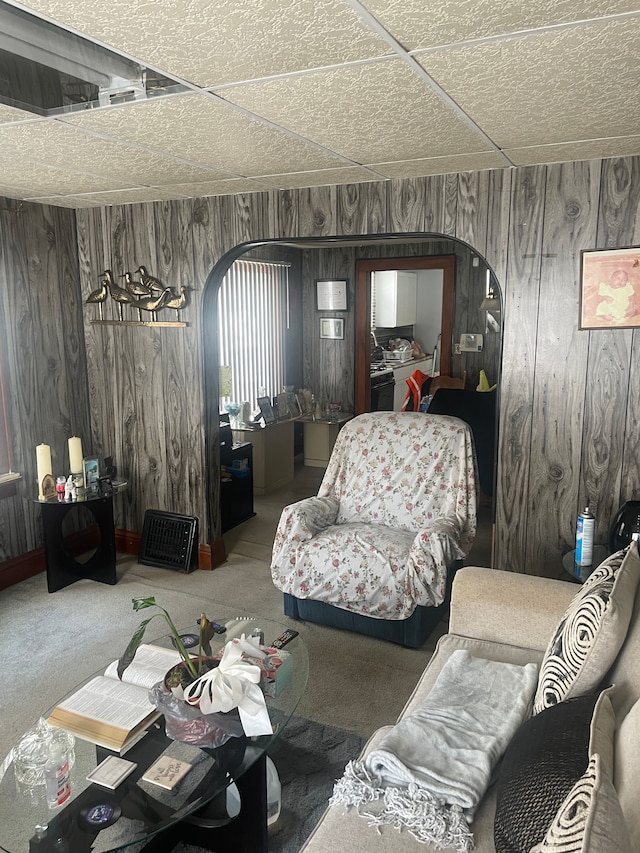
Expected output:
{"points": [[43, 464], [75, 455]]}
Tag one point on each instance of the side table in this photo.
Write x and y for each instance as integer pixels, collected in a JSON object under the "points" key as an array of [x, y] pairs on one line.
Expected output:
{"points": [[319, 437], [62, 566], [581, 573]]}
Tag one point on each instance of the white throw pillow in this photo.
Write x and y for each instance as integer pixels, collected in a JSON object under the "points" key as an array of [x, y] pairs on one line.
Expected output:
{"points": [[591, 632]]}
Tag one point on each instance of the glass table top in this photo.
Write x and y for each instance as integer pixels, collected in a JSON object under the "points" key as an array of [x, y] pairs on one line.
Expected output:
{"points": [[142, 809]]}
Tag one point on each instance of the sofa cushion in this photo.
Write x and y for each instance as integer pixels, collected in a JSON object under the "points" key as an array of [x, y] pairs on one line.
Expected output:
{"points": [[591, 632], [590, 819], [548, 754], [627, 770]]}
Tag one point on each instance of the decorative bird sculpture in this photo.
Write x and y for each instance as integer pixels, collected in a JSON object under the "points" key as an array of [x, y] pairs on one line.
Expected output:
{"points": [[150, 281], [135, 287], [118, 294], [177, 301], [98, 296], [154, 303]]}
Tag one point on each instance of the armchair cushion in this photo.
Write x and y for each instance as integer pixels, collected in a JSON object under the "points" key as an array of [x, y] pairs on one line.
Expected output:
{"points": [[395, 509]]}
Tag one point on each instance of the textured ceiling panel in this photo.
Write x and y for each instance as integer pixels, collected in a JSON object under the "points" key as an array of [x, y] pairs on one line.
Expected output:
{"points": [[440, 165], [368, 113], [586, 84], [416, 24], [591, 150], [323, 178], [328, 93], [209, 43], [202, 129]]}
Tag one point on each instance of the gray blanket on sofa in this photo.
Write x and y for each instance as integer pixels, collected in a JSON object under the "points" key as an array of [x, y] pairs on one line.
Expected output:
{"points": [[429, 772]]}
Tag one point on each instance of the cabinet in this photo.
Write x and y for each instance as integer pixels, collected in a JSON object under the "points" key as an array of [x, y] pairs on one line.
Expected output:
{"points": [[319, 438], [272, 455], [236, 492], [395, 298]]}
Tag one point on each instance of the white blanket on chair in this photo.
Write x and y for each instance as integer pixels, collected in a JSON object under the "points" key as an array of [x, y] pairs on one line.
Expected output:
{"points": [[430, 771]]}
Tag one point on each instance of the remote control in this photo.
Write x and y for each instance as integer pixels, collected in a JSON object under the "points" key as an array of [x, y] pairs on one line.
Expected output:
{"points": [[284, 638]]}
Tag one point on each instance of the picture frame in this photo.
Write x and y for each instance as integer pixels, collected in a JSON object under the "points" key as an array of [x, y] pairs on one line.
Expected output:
{"points": [[90, 472], [332, 328], [331, 294], [266, 410], [295, 409], [610, 288], [282, 406]]}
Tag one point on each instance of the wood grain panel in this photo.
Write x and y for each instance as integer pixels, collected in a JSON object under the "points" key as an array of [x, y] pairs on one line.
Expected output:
{"points": [[317, 211], [434, 204], [518, 368], [406, 202], [619, 225], [472, 209], [450, 212], [374, 198], [282, 214], [560, 366], [498, 208], [351, 209]]}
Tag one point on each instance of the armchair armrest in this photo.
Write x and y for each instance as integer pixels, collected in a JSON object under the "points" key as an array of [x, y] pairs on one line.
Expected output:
{"points": [[300, 522], [507, 607]]}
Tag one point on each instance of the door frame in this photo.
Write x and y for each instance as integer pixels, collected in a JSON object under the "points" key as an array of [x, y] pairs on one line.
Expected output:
{"points": [[364, 268]]}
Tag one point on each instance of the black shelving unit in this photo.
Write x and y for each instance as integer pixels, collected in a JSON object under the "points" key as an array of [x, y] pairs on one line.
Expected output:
{"points": [[236, 492]]}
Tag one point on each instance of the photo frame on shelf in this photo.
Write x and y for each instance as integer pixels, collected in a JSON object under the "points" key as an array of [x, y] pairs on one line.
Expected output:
{"points": [[266, 410], [610, 288], [282, 407], [332, 328], [90, 472], [295, 409], [331, 294]]}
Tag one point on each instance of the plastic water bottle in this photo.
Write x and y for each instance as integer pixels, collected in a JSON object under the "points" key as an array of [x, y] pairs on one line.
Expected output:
{"points": [[56, 777], [274, 793]]}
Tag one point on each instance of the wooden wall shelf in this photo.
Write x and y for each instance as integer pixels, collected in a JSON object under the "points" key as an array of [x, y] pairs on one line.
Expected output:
{"points": [[178, 323]]}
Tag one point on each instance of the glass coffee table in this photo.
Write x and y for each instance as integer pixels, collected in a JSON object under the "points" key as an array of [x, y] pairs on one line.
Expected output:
{"points": [[221, 803]]}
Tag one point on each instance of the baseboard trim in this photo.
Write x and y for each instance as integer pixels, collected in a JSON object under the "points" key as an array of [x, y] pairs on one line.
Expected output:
{"points": [[32, 563]]}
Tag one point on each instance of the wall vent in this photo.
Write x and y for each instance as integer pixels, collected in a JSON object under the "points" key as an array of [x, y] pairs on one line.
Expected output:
{"points": [[169, 541]]}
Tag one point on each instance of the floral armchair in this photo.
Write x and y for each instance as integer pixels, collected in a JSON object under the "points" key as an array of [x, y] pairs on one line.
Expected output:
{"points": [[396, 510]]}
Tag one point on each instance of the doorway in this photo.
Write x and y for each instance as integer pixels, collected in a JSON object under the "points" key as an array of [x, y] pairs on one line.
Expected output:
{"points": [[364, 270]]}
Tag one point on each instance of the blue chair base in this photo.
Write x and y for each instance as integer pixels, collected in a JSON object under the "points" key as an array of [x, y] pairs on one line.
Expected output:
{"points": [[411, 632]]}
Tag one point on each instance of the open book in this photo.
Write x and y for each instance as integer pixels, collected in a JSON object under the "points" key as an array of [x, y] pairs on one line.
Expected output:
{"points": [[114, 713]]}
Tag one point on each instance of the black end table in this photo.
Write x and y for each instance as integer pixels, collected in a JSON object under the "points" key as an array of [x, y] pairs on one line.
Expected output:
{"points": [[62, 566]]}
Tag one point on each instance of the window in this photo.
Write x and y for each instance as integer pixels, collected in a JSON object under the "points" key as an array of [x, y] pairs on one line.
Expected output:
{"points": [[253, 308]]}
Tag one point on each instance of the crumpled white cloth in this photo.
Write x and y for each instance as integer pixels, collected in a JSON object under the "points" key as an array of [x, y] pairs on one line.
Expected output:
{"points": [[234, 683]]}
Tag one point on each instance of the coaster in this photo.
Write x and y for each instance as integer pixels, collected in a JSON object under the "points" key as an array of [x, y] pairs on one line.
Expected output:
{"points": [[99, 815]]}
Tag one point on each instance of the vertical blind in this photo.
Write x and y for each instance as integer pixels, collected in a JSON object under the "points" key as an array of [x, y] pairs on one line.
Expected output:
{"points": [[252, 318]]}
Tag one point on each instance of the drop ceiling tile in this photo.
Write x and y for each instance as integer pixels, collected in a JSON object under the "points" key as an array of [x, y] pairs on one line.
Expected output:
{"points": [[440, 165], [199, 189], [38, 179], [416, 24], [10, 114], [549, 87], [65, 201], [326, 177], [134, 195], [209, 43], [205, 130], [596, 149], [368, 113]]}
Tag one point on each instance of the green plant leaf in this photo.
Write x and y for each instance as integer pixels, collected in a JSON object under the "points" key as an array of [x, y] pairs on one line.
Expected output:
{"points": [[132, 648], [142, 603]]}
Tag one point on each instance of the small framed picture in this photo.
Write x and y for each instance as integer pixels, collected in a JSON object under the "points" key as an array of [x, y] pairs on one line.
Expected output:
{"points": [[266, 410], [610, 289], [293, 402], [332, 328], [91, 472], [331, 294]]}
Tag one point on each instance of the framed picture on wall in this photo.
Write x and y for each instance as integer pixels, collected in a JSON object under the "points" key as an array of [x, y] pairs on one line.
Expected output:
{"points": [[332, 328], [610, 289], [331, 294]]}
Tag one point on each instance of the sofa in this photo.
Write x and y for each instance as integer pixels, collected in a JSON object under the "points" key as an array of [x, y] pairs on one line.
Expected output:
{"points": [[516, 618]]}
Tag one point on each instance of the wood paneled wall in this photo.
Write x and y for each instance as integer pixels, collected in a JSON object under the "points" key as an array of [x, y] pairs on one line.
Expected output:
{"points": [[43, 353], [569, 398]]}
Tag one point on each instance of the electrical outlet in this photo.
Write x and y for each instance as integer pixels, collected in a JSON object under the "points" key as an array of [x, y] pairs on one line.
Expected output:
{"points": [[456, 349]]}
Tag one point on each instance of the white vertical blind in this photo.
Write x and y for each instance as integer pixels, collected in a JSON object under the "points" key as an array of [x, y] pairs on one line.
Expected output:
{"points": [[252, 317]]}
